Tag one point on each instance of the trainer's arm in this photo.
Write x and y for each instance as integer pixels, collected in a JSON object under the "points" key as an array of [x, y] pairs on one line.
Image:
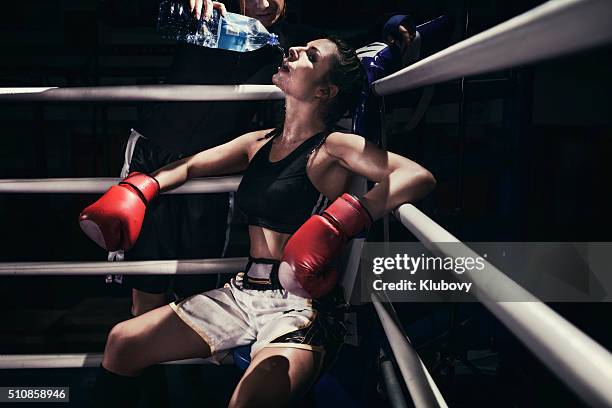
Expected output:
{"points": [[205, 7], [228, 158], [399, 180]]}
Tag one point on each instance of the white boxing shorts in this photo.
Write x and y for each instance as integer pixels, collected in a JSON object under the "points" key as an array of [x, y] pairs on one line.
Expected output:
{"points": [[254, 309]]}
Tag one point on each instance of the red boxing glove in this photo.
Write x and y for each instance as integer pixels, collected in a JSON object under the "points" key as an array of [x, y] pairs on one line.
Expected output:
{"points": [[114, 221], [305, 269]]}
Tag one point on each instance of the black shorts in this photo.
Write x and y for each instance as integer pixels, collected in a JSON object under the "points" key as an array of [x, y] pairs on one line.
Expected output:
{"points": [[181, 226]]}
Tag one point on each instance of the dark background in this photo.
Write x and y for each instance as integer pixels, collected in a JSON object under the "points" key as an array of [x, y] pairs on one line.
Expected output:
{"points": [[524, 158]]}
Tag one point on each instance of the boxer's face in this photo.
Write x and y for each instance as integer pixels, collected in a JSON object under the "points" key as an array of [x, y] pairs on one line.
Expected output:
{"points": [[304, 73], [266, 11]]}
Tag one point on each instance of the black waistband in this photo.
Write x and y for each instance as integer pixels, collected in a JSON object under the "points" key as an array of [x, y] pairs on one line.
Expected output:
{"points": [[270, 282], [265, 261]]}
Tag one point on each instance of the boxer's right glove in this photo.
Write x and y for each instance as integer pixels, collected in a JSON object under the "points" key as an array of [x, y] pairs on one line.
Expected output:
{"points": [[114, 221]]}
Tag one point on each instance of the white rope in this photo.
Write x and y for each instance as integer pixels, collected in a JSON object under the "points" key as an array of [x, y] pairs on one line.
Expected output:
{"points": [[172, 267], [101, 184], [584, 365], [30, 361], [167, 92], [421, 386], [552, 29]]}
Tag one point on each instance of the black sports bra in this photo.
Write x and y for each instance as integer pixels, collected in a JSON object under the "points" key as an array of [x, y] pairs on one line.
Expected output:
{"points": [[279, 195]]}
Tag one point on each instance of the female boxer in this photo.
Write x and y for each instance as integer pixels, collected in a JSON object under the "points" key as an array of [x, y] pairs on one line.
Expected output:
{"points": [[290, 175]]}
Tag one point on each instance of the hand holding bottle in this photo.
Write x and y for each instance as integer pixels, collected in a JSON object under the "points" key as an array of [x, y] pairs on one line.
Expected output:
{"points": [[205, 8], [223, 29]]}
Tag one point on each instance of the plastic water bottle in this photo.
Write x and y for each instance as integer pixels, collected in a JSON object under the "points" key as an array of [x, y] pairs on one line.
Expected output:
{"points": [[231, 31]]}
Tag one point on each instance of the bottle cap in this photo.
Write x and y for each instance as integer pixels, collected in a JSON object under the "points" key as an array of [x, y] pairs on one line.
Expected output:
{"points": [[273, 40]]}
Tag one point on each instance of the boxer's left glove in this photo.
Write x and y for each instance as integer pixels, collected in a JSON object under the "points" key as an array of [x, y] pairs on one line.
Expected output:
{"points": [[114, 221], [307, 268]]}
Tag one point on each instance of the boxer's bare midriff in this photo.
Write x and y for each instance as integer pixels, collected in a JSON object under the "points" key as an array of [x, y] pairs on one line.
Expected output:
{"points": [[266, 243]]}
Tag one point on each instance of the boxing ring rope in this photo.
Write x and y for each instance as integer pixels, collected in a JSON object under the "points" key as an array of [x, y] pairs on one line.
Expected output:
{"points": [[159, 93], [29, 361], [422, 388], [99, 185], [171, 267], [552, 29], [586, 368]]}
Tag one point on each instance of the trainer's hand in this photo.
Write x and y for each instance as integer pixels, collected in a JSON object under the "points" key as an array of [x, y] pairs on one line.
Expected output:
{"points": [[306, 267], [114, 221], [205, 8]]}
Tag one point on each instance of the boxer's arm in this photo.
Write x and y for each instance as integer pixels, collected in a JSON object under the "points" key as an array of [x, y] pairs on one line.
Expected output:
{"points": [[399, 180], [306, 266], [228, 158]]}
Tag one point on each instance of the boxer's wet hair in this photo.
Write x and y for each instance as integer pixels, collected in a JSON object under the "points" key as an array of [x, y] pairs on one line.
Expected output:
{"points": [[348, 75]]}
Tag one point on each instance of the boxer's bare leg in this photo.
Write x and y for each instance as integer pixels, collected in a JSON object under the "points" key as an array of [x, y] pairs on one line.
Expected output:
{"points": [[151, 338], [276, 377]]}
